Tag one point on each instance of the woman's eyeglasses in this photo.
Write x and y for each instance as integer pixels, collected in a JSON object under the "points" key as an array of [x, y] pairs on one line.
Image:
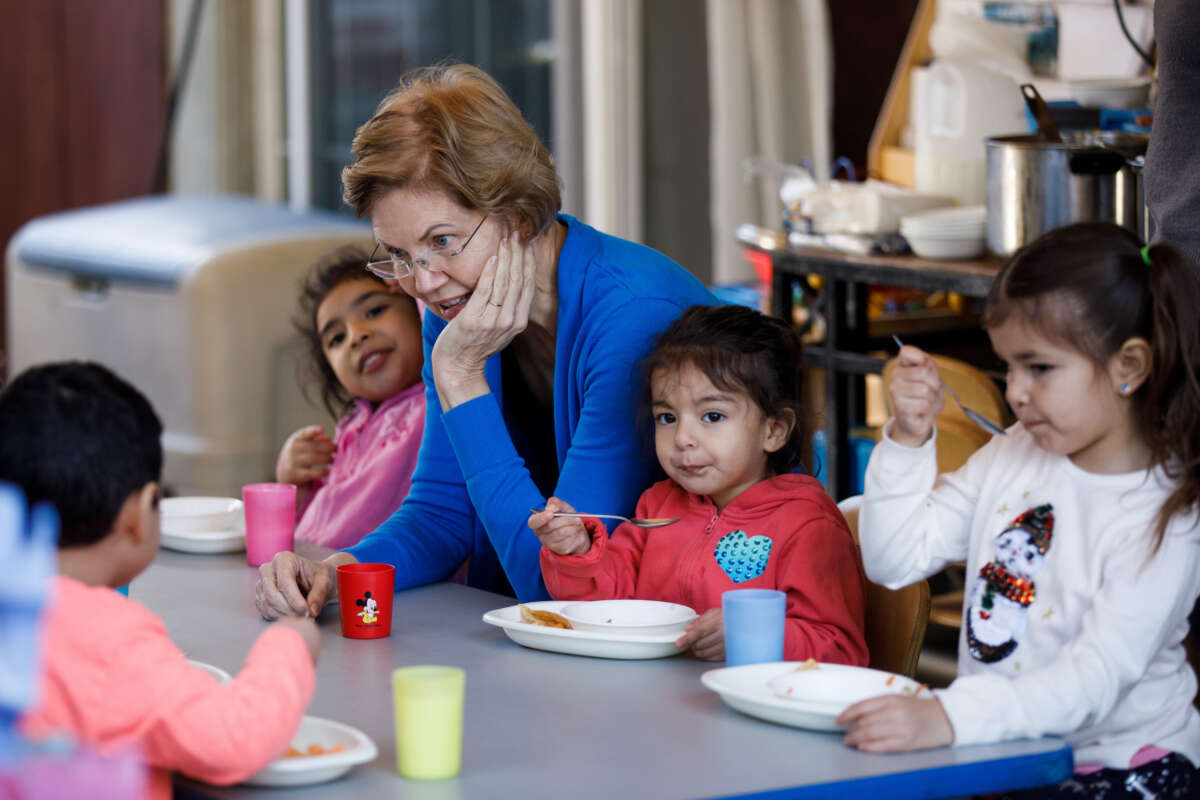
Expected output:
{"points": [[398, 267]]}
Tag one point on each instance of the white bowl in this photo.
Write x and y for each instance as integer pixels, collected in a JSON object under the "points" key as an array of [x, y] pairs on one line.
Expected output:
{"points": [[938, 247], [638, 617], [958, 214], [357, 749], [1111, 92], [199, 514], [221, 675], [839, 686]]}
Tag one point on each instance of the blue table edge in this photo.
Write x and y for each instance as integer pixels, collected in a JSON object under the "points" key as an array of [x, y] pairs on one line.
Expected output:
{"points": [[956, 780]]}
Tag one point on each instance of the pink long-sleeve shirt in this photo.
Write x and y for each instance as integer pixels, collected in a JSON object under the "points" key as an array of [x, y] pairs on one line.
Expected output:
{"points": [[371, 472], [112, 679]]}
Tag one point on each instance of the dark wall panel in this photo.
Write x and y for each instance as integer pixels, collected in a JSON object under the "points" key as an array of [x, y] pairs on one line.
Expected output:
{"points": [[82, 83]]}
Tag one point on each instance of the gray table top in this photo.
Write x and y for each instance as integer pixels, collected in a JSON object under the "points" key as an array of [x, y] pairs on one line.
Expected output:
{"points": [[540, 724]]}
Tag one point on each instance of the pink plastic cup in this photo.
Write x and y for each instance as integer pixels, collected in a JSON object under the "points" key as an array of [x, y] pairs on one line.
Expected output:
{"points": [[270, 520]]}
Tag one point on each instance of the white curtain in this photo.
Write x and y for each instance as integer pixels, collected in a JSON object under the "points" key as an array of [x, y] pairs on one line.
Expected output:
{"points": [[770, 69], [612, 115]]}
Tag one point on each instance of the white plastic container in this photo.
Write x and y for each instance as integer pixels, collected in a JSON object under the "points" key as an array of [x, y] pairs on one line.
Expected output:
{"points": [[955, 106], [189, 298]]}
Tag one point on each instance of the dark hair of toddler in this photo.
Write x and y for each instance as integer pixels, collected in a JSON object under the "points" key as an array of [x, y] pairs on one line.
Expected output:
{"points": [[743, 351], [75, 435], [1093, 286]]}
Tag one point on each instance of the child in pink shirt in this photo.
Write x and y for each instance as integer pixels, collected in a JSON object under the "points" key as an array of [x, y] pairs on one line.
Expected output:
{"points": [[80, 438], [365, 349]]}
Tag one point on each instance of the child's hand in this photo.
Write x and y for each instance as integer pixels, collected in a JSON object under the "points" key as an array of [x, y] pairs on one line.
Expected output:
{"points": [[893, 722], [307, 628], [916, 392], [706, 636], [305, 456], [565, 536]]}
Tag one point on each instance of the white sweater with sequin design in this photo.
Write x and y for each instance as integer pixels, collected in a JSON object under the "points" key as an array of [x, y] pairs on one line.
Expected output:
{"points": [[1091, 649]]}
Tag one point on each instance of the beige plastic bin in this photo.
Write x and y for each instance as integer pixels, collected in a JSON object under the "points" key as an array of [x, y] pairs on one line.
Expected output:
{"points": [[190, 298]]}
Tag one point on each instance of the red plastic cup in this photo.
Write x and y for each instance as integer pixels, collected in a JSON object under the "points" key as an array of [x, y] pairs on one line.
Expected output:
{"points": [[270, 510], [365, 599]]}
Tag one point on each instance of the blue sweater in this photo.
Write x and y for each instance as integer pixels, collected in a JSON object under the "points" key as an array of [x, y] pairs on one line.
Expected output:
{"points": [[471, 491]]}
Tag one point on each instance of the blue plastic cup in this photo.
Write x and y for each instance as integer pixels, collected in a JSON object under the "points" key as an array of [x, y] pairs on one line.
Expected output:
{"points": [[753, 621]]}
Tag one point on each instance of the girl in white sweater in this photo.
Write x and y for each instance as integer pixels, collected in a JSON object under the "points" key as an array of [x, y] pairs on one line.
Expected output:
{"points": [[1079, 527]]}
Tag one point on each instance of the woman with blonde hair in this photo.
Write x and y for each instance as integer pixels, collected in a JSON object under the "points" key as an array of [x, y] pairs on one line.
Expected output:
{"points": [[535, 325]]}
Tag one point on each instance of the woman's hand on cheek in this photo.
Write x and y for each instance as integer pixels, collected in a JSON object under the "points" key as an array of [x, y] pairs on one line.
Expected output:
{"points": [[892, 723], [705, 635], [496, 312]]}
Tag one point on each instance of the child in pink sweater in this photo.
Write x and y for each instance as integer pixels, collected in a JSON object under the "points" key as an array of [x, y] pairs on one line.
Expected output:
{"points": [[729, 432], [77, 436], [365, 349]]}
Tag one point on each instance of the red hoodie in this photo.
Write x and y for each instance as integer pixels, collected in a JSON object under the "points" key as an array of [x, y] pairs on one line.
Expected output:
{"points": [[811, 556]]}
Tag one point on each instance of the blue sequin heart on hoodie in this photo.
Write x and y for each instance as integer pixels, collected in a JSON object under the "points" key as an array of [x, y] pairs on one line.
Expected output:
{"points": [[742, 557]]}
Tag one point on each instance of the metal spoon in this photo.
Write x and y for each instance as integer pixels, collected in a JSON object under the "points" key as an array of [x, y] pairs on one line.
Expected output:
{"points": [[974, 416], [641, 523]]}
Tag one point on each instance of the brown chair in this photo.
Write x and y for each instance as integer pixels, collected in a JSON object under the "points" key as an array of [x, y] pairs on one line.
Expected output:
{"points": [[895, 620]]}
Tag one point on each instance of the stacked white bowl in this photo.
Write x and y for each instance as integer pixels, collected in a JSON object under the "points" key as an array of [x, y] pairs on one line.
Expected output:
{"points": [[947, 232], [200, 514]]}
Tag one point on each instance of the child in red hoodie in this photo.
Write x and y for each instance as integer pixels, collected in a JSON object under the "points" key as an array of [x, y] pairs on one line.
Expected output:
{"points": [[725, 395]]}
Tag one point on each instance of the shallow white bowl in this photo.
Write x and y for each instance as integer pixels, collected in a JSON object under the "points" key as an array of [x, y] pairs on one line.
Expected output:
{"points": [[939, 247], [1111, 92], [221, 675], [359, 749], [839, 686], [198, 514], [947, 216], [638, 617]]}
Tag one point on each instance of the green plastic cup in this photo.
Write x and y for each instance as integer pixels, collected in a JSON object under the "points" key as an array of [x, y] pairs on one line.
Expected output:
{"points": [[429, 715]]}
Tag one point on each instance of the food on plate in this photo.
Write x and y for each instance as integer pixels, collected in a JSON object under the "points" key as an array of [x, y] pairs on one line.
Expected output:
{"points": [[809, 663], [547, 618], [313, 750]]}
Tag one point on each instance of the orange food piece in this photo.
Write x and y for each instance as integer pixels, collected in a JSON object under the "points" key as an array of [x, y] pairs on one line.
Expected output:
{"points": [[313, 750], [547, 618], [888, 682]]}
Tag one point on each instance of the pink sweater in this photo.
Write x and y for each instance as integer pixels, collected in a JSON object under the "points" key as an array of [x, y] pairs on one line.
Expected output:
{"points": [[371, 472], [113, 679]]}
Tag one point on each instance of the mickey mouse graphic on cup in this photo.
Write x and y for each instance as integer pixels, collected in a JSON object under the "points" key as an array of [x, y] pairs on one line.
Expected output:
{"points": [[369, 609]]}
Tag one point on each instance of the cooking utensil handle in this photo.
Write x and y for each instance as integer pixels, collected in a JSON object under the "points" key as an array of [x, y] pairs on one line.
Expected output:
{"points": [[1047, 127]]}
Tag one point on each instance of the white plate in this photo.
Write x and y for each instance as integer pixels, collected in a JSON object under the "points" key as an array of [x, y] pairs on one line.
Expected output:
{"points": [[754, 690], [578, 643], [218, 673], [634, 617], [359, 749], [228, 541], [198, 514]]}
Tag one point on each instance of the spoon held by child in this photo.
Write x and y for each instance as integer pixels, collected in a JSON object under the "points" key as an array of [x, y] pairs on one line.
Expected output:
{"points": [[656, 522], [974, 416]]}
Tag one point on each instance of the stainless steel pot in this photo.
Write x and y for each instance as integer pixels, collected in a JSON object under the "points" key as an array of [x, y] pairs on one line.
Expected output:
{"points": [[1035, 185]]}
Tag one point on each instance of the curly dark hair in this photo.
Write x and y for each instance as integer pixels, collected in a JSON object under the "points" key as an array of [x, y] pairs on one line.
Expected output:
{"points": [[335, 268], [741, 350]]}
